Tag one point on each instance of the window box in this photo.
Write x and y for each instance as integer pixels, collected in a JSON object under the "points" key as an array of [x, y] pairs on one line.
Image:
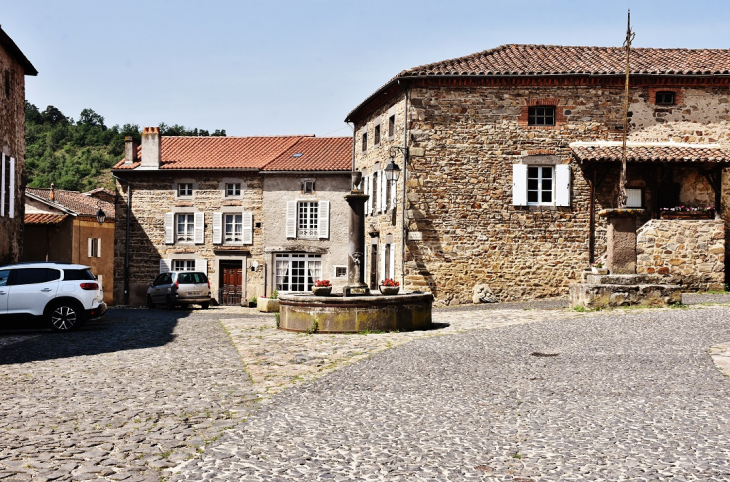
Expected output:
{"points": [[710, 214]]}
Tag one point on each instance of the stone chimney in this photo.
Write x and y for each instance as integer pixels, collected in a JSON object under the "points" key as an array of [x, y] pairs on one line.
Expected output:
{"points": [[151, 147], [53, 193], [130, 150]]}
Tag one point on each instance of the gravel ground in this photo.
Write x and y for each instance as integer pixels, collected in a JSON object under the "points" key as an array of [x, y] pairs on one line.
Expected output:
{"points": [[630, 397], [123, 398]]}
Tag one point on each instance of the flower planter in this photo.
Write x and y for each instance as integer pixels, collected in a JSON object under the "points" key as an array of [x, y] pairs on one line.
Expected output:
{"points": [[601, 271], [687, 214], [322, 290], [389, 290], [268, 305]]}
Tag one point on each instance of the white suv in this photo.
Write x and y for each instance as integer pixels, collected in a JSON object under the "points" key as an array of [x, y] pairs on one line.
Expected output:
{"points": [[65, 295]]}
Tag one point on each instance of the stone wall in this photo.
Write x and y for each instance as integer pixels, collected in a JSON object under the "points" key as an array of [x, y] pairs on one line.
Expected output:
{"points": [[12, 143], [280, 188], [688, 251], [152, 196], [459, 197]]}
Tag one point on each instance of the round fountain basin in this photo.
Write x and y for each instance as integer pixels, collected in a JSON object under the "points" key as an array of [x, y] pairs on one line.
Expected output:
{"points": [[353, 314]]}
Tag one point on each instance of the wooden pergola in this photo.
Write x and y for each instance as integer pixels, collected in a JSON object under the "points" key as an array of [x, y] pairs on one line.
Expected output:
{"points": [[658, 160]]}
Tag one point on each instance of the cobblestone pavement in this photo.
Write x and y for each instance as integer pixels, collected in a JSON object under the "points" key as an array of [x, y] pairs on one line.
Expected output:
{"points": [[621, 395], [277, 359], [123, 398]]}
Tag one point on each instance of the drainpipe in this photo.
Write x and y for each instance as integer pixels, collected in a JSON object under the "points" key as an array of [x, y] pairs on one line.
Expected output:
{"points": [[126, 238], [404, 230]]}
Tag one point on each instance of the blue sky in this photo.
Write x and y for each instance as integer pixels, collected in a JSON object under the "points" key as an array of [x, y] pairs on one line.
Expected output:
{"points": [[297, 67]]}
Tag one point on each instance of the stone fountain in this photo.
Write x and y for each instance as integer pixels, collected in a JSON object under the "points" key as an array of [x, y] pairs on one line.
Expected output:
{"points": [[355, 309]]}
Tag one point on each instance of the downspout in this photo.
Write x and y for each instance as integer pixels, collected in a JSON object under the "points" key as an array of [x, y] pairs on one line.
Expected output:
{"points": [[404, 230], [126, 238]]}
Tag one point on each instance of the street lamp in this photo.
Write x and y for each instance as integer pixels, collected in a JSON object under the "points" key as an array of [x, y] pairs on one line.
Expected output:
{"points": [[392, 171], [100, 216]]}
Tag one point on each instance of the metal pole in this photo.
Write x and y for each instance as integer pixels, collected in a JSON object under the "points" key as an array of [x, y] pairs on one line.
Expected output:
{"points": [[622, 181]]}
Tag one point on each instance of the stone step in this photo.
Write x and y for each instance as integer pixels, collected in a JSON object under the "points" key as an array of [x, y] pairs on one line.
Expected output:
{"points": [[624, 279]]}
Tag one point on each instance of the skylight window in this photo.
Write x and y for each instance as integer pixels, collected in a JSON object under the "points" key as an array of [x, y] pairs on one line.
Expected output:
{"points": [[298, 154]]}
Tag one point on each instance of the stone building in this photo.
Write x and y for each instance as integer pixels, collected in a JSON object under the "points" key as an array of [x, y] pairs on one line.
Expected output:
{"points": [[64, 226], [306, 215], [198, 203], [14, 66], [510, 158]]}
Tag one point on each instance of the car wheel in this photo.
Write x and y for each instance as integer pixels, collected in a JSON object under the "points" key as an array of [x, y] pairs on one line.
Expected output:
{"points": [[150, 304], [170, 304], [205, 305], [65, 315]]}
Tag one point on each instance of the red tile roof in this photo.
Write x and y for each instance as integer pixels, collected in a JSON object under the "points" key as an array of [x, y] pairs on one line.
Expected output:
{"points": [[183, 152], [649, 152], [44, 218], [535, 60], [315, 154], [540, 60], [80, 203]]}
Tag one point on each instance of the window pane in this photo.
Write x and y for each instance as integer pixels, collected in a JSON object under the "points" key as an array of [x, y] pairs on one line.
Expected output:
{"points": [[531, 196], [77, 275], [29, 276]]}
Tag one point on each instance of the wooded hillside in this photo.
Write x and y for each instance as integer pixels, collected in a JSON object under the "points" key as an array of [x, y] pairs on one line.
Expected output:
{"points": [[77, 155]]}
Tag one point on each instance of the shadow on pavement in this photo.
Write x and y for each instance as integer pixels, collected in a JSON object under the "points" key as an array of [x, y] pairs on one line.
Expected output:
{"points": [[118, 330]]}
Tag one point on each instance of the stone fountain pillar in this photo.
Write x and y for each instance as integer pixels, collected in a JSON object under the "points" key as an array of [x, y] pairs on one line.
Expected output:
{"points": [[621, 241], [356, 242]]}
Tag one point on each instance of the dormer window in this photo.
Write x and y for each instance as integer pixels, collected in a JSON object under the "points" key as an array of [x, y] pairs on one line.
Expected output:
{"points": [[308, 186], [664, 98]]}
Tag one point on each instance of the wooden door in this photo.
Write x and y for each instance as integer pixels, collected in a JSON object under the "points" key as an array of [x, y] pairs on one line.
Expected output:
{"points": [[231, 286]]}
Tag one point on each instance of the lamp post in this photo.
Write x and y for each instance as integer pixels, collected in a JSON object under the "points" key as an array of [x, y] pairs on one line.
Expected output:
{"points": [[392, 174]]}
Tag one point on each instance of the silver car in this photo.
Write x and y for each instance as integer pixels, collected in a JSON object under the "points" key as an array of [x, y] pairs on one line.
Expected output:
{"points": [[179, 288]]}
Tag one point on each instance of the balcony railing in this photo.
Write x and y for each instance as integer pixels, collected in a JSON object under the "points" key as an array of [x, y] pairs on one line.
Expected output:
{"points": [[307, 233]]}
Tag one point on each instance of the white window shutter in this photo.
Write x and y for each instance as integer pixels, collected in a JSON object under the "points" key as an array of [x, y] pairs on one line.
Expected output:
{"points": [[199, 228], [2, 185], [562, 185], [165, 265], [369, 192], [98, 247], [90, 246], [519, 184], [392, 261], [291, 219], [382, 266], [381, 194], [323, 220], [11, 174], [169, 229], [247, 228], [201, 265], [217, 228]]}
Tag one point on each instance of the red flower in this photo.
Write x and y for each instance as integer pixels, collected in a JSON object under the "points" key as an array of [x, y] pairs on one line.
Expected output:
{"points": [[322, 284], [389, 282]]}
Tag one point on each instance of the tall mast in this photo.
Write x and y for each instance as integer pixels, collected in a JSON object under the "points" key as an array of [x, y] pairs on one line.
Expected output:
{"points": [[622, 181]]}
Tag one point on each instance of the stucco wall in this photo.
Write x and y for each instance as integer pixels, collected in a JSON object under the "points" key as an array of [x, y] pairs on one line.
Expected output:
{"points": [[12, 143], [152, 196], [460, 194], [688, 251], [280, 188]]}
